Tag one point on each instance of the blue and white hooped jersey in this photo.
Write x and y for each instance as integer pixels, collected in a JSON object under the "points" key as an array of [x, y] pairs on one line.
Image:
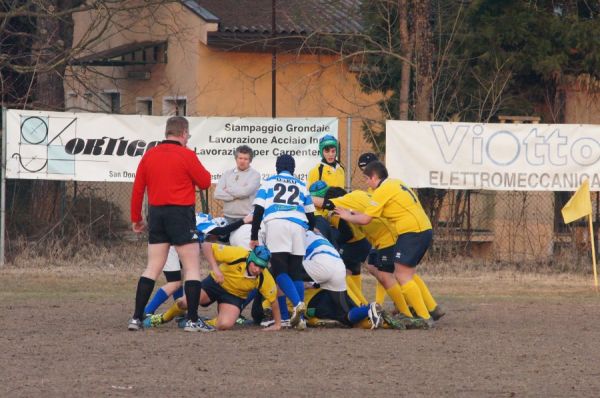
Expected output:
{"points": [[283, 196], [206, 223], [318, 245]]}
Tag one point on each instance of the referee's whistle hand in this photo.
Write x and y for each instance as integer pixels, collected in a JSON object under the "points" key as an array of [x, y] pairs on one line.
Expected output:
{"points": [[138, 227]]}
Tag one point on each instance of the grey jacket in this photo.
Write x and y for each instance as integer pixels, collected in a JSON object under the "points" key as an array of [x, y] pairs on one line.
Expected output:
{"points": [[237, 190]]}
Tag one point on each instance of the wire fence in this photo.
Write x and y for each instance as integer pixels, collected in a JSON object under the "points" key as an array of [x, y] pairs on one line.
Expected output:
{"points": [[518, 228], [507, 228]]}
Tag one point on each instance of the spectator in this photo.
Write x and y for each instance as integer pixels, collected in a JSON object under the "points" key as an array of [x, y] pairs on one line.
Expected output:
{"points": [[237, 187]]}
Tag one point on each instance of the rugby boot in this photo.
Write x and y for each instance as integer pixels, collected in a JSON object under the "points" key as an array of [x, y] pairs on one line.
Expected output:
{"points": [[437, 313], [297, 313], [134, 324]]}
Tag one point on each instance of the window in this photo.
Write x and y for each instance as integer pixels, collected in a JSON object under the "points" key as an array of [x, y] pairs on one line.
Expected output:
{"points": [[175, 106], [143, 106], [112, 101]]}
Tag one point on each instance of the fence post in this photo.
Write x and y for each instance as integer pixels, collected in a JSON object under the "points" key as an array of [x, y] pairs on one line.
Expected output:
{"points": [[348, 153], [3, 190]]}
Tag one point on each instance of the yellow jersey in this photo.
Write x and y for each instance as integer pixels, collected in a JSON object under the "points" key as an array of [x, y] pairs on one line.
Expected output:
{"points": [[379, 231], [332, 176], [237, 280], [398, 203]]}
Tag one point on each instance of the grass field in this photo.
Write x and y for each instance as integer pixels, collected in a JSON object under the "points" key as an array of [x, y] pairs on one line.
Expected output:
{"points": [[505, 334]]}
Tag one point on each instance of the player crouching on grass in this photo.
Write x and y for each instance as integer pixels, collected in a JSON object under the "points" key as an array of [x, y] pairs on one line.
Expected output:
{"points": [[208, 229], [329, 302], [235, 272]]}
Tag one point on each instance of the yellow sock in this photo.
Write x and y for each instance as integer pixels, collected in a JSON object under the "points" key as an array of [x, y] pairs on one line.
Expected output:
{"points": [[353, 296], [212, 322], [427, 297], [355, 290], [413, 297], [357, 279], [172, 312], [364, 324], [395, 292], [379, 293]]}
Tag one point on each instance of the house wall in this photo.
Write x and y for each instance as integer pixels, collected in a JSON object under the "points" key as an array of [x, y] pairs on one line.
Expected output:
{"points": [[217, 82]]}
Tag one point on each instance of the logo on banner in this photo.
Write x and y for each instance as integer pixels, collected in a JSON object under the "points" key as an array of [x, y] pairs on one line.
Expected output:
{"points": [[49, 145], [41, 145]]}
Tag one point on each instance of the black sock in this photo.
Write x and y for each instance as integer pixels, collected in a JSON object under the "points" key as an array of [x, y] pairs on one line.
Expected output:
{"points": [[142, 295], [192, 295]]}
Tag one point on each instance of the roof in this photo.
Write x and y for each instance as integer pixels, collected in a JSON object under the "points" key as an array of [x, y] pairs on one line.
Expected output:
{"points": [[135, 53], [248, 20]]}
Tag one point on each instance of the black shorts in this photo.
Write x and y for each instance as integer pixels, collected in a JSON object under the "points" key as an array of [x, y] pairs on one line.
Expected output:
{"points": [[172, 276], [408, 250], [332, 305], [373, 258], [172, 224], [216, 293], [354, 254]]}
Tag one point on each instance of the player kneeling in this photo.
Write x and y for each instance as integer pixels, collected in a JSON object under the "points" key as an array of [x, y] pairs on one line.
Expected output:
{"points": [[235, 273]]}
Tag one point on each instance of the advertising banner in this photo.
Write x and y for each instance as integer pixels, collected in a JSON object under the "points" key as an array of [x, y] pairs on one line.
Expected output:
{"points": [[515, 157], [108, 147]]}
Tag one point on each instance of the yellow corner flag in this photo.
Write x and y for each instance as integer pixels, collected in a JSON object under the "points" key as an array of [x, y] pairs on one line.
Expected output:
{"points": [[579, 205]]}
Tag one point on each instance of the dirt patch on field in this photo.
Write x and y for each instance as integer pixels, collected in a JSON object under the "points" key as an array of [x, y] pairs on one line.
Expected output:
{"points": [[63, 333]]}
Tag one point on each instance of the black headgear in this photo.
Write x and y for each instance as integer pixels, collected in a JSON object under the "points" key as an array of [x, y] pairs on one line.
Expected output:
{"points": [[366, 158], [285, 162]]}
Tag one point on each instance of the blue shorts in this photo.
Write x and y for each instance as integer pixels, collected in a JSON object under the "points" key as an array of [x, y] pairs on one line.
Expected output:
{"points": [[408, 250]]}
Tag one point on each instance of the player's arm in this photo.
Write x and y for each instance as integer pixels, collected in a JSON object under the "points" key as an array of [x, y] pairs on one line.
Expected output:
{"points": [[137, 197], [276, 316], [227, 229], [311, 220], [198, 173], [353, 216], [257, 217], [207, 250]]}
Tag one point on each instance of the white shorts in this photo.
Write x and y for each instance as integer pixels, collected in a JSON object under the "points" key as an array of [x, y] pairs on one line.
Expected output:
{"points": [[241, 236], [327, 271], [283, 236], [172, 263]]}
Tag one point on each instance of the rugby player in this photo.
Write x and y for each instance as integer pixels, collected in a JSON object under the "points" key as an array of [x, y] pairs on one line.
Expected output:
{"points": [[331, 172], [235, 272], [285, 208], [393, 200], [208, 228]]}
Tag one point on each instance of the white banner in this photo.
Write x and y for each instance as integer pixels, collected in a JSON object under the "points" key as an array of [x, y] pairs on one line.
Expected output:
{"points": [[519, 157], [108, 147]]}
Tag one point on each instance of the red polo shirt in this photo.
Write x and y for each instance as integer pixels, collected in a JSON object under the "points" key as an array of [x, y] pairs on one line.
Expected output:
{"points": [[169, 172]]}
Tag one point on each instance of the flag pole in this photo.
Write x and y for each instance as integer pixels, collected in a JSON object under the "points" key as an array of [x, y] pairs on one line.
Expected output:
{"points": [[593, 251]]}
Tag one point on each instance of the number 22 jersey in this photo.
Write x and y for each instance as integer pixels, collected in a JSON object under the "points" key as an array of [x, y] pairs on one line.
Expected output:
{"points": [[283, 196]]}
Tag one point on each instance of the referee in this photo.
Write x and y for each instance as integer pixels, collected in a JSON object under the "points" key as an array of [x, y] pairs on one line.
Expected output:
{"points": [[169, 173]]}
